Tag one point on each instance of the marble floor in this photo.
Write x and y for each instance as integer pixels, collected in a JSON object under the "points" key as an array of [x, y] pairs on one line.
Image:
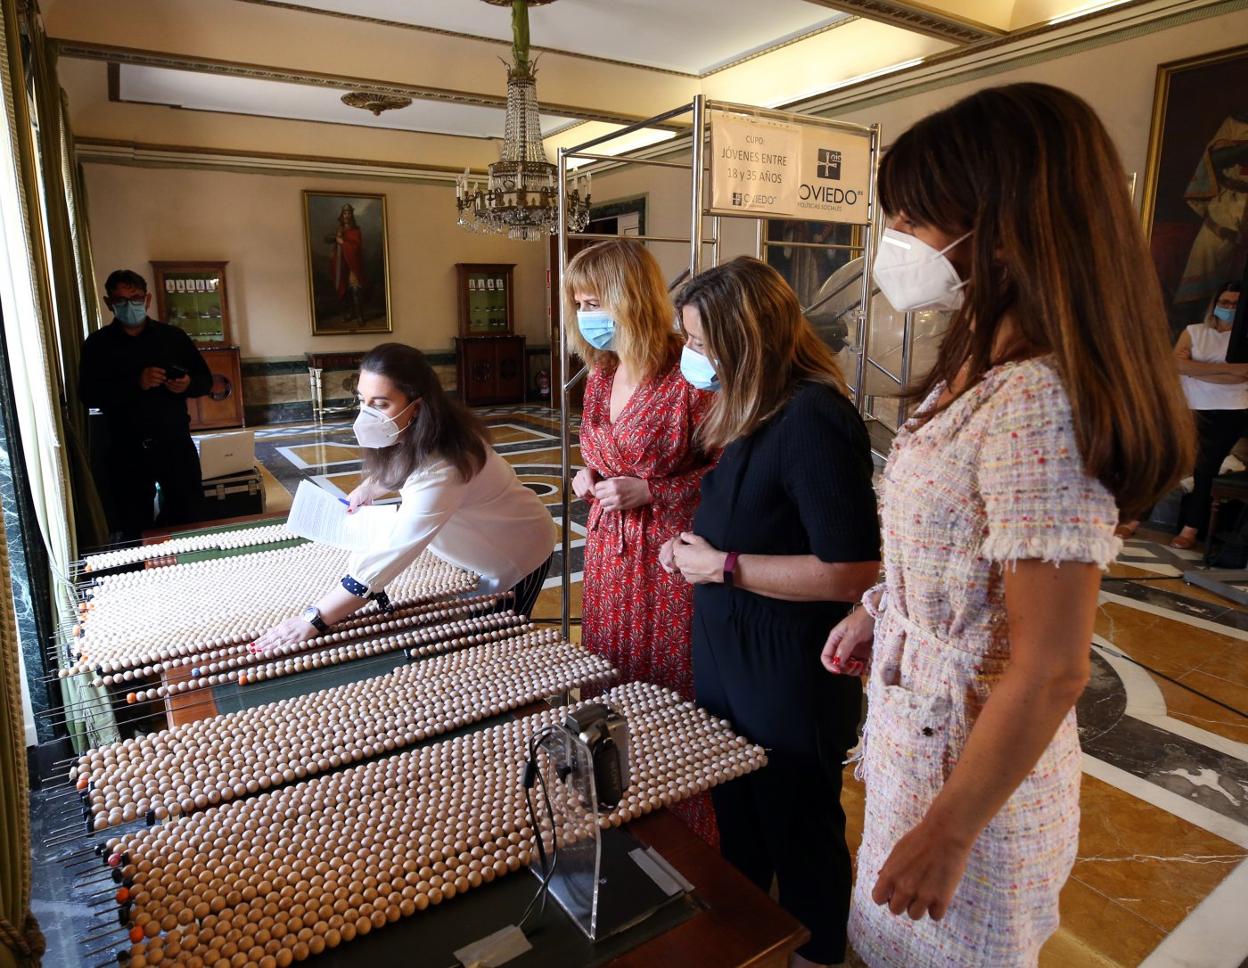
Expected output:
{"points": [[1161, 878]]}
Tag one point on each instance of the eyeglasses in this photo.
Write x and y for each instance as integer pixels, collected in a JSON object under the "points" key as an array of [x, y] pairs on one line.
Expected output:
{"points": [[137, 302]]}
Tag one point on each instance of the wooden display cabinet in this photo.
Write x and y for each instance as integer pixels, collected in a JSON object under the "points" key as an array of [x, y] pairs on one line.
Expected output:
{"points": [[491, 369], [490, 357], [223, 405], [486, 299], [192, 296]]}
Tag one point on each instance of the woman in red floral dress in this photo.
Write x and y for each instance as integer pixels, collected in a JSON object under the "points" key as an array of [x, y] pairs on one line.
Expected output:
{"points": [[643, 471]]}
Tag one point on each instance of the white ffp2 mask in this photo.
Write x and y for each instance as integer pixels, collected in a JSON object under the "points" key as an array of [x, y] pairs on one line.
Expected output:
{"points": [[914, 275], [373, 429]]}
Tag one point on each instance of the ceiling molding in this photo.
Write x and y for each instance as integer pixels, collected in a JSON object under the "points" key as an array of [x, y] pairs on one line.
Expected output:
{"points": [[1032, 45], [917, 18], [442, 32], [779, 45], [579, 55], [337, 124], [207, 65], [1037, 44], [104, 151]]}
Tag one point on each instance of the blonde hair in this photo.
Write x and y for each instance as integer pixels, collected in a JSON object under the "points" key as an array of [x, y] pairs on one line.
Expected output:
{"points": [[762, 346], [627, 281]]}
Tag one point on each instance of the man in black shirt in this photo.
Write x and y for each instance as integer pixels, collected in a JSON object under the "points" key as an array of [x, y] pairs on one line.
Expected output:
{"points": [[139, 372]]}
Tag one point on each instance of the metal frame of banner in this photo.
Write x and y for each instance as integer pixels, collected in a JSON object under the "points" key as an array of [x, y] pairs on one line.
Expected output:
{"points": [[699, 108]]}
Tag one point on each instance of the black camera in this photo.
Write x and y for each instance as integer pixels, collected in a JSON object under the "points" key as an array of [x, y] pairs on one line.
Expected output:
{"points": [[605, 733]]}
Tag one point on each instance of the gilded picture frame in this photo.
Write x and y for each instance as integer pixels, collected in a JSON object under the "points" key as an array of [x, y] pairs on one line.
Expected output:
{"points": [[348, 263], [1196, 179]]}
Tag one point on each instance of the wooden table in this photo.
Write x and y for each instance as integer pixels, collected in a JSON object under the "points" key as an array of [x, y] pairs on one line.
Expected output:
{"points": [[738, 926], [735, 924]]}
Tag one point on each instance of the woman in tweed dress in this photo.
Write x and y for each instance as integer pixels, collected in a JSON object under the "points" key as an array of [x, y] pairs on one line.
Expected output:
{"points": [[1052, 407]]}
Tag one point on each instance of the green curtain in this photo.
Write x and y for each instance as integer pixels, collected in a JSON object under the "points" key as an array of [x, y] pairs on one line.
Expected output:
{"points": [[21, 943], [72, 275], [44, 320]]}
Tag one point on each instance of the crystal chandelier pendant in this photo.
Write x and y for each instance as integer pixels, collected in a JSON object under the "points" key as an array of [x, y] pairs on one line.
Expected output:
{"points": [[520, 198]]}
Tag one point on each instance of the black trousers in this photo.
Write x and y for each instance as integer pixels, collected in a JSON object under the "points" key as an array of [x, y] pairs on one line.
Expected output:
{"points": [[784, 820], [1218, 431], [529, 587], [133, 470]]}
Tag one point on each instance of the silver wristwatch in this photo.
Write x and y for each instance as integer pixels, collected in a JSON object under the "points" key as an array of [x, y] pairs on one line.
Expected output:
{"points": [[312, 615]]}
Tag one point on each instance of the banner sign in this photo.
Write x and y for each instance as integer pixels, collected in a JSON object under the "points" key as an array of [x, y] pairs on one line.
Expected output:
{"points": [[766, 166]]}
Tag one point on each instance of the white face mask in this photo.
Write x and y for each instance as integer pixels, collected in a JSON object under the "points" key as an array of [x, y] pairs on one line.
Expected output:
{"points": [[913, 275], [373, 429]]}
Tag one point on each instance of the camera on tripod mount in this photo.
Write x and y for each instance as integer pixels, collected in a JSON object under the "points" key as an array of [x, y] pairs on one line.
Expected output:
{"points": [[605, 733]]}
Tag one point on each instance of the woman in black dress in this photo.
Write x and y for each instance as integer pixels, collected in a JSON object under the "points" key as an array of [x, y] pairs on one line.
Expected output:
{"points": [[785, 538]]}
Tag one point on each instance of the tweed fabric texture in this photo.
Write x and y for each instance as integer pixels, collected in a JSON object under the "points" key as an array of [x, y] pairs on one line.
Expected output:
{"points": [[994, 478]]}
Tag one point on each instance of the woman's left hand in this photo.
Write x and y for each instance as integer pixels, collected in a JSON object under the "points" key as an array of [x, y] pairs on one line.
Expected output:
{"points": [[289, 632], [697, 560], [922, 873], [622, 493]]}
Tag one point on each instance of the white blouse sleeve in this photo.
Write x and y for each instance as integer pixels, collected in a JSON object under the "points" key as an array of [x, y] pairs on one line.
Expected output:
{"points": [[429, 499]]}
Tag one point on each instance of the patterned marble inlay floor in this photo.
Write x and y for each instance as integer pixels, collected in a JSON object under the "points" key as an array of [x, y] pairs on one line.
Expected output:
{"points": [[1162, 874]]}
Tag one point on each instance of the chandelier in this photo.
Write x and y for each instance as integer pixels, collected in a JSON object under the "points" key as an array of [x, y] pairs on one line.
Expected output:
{"points": [[520, 196], [375, 101]]}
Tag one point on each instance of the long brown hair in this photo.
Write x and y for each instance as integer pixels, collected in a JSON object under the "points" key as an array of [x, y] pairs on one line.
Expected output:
{"points": [[628, 282], [760, 343], [442, 427], [1030, 171]]}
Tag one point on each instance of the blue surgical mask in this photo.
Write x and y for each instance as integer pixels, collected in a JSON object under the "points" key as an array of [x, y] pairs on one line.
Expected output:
{"points": [[1224, 313], [131, 312], [597, 327], [698, 370]]}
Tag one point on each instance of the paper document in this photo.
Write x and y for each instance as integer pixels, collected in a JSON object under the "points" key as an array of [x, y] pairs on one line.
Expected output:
{"points": [[322, 517]]}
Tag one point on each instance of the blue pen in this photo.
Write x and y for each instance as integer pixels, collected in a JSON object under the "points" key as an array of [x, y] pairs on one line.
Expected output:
{"points": [[345, 501]]}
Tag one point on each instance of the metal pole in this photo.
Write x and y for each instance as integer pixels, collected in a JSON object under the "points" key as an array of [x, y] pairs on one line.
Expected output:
{"points": [[565, 436], [907, 347], [758, 238], [698, 144], [868, 245], [715, 241]]}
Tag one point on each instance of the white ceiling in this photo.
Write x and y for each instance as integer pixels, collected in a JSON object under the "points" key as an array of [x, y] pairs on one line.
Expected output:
{"points": [[692, 36], [278, 99]]}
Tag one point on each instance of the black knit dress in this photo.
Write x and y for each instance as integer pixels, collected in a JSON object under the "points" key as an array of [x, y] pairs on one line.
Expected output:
{"points": [[799, 485]]}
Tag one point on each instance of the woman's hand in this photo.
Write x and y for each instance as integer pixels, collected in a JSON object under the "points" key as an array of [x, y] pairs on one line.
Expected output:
{"points": [[848, 648], [622, 493], [922, 872], [289, 632], [360, 496], [667, 559], [697, 560], [583, 483]]}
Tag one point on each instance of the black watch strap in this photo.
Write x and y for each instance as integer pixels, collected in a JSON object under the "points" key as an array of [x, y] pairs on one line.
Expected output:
{"points": [[312, 615]]}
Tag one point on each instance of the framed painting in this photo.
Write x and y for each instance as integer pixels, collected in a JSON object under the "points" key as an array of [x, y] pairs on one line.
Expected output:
{"points": [[1195, 204], [348, 264]]}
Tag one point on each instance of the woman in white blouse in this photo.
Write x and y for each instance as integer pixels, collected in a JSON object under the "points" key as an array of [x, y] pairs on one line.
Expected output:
{"points": [[460, 499], [1218, 393]]}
